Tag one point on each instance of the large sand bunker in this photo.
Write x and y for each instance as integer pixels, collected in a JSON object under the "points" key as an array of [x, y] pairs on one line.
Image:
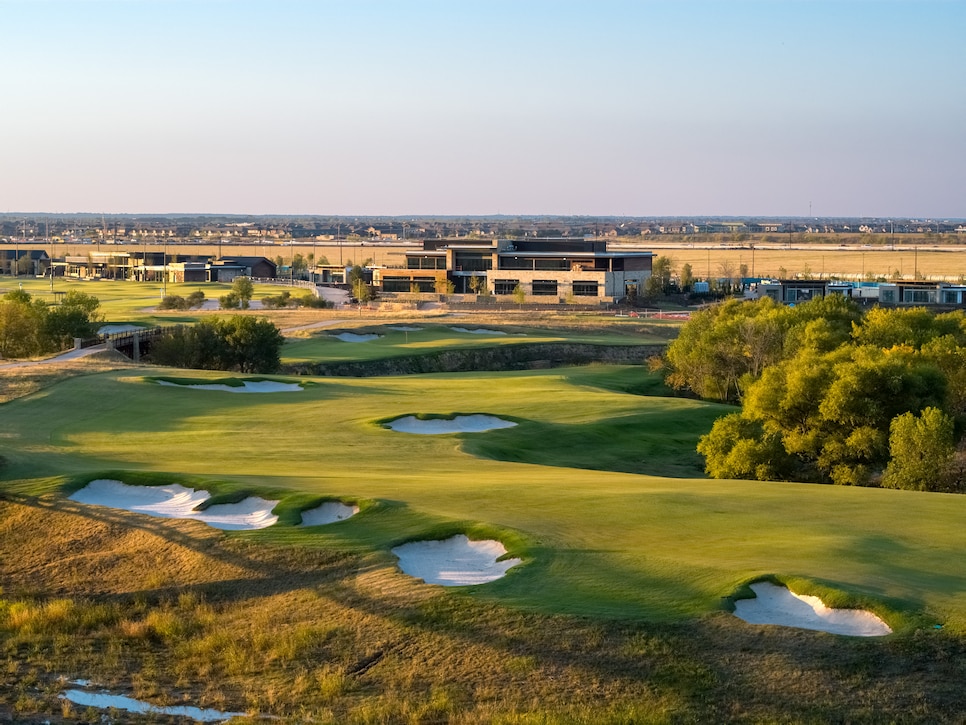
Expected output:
{"points": [[177, 502], [777, 605], [355, 337], [247, 386], [454, 562], [477, 331], [328, 513], [460, 424]]}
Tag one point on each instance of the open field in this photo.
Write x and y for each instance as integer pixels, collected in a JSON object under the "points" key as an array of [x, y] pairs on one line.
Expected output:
{"points": [[848, 263]]}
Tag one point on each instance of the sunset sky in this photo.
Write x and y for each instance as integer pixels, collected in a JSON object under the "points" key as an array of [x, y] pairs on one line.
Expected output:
{"points": [[367, 107]]}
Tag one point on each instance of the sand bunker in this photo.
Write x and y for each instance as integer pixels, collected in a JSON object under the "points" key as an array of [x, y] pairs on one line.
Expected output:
{"points": [[459, 424], [248, 386], [328, 513], [478, 331], [177, 502], [777, 605], [404, 328], [104, 700], [354, 337], [454, 562]]}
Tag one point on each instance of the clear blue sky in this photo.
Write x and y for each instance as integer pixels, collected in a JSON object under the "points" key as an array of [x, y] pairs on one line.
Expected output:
{"points": [[478, 107]]}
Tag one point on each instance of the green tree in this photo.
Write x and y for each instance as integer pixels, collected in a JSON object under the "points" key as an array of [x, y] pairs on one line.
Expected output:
{"points": [[243, 289], [361, 291], [241, 343], [519, 295], [21, 325], [921, 449], [299, 265], [687, 278]]}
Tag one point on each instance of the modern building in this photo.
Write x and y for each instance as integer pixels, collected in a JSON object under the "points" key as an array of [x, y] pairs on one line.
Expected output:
{"points": [[546, 270]]}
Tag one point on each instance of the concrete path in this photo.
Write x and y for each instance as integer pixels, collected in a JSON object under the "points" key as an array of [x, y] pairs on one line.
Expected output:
{"points": [[64, 357]]}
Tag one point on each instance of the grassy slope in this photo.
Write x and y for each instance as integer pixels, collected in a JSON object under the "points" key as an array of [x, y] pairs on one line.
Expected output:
{"points": [[323, 345], [601, 543]]}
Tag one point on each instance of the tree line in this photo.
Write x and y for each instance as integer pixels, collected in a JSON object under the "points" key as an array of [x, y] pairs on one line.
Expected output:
{"points": [[828, 393], [31, 327]]}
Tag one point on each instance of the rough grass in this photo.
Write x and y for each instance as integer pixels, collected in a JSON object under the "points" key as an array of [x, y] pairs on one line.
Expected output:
{"points": [[186, 614]]}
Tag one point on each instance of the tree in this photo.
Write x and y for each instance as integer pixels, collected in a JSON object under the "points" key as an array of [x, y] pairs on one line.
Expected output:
{"points": [[244, 289], [661, 270], [519, 295], [299, 266], [25, 265], [242, 343], [687, 277], [361, 291], [921, 449], [444, 286]]}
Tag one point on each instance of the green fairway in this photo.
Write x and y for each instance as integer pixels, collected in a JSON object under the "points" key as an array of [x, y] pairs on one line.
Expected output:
{"points": [[394, 341], [595, 542], [130, 302]]}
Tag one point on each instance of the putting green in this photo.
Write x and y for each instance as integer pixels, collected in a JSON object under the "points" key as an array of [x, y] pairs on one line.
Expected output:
{"points": [[601, 543]]}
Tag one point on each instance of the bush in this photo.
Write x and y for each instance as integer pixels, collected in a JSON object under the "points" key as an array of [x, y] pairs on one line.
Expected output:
{"points": [[245, 344]]}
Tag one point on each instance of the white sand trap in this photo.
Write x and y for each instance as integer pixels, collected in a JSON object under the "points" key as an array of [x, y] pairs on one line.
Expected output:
{"points": [[404, 328], [478, 331], [328, 513], [249, 386], [250, 513], [354, 337], [104, 700], [177, 502], [777, 605], [454, 562], [439, 426], [116, 329]]}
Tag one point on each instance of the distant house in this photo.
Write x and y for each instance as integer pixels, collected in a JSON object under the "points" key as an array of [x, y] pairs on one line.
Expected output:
{"points": [[38, 264], [227, 268], [794, 291]]}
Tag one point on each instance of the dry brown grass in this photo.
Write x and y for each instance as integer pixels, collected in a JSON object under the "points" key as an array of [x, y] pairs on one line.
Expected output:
{"points": [[17, 382], [169, 610], [846, 263]]}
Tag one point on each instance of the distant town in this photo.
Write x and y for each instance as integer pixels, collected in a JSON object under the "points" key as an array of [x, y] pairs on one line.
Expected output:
{"points": [[127, 229]]}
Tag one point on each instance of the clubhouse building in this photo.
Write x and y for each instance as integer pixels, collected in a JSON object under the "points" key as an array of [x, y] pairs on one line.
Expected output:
{"points": [[546, 270]]}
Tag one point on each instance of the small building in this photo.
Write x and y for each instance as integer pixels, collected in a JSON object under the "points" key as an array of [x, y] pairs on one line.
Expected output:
{"points": [[227, 268]]}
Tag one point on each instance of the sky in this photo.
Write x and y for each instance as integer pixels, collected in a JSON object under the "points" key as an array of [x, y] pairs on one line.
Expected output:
{"points": [[417, 107]]}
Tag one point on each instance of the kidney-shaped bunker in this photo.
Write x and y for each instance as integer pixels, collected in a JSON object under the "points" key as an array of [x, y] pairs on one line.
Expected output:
{"points": [[177, 502], [455, 561], [328, 513], [460, 424], [777, 605]]}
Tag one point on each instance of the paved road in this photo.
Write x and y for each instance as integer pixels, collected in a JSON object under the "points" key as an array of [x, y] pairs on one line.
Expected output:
{"points": [[64, 357]]}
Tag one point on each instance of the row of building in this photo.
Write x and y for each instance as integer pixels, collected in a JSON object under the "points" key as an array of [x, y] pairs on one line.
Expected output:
{"points": [[542, 270], [554, 270]]}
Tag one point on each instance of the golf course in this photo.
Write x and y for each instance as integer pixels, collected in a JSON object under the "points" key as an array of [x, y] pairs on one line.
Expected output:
{"points": [[630, 558]]}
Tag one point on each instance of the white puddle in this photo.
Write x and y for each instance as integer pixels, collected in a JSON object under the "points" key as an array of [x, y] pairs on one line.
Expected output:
{"points": [[177, 502], [249, 386], [459, 424], [404, 328], [777, 605], [354, 337], [328, 513], [103, 700], [478, 331], [454, 562], [116, 329]]}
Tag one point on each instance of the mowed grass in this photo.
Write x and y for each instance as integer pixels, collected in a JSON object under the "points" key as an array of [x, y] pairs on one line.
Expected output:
{"points": [[324, 345], [600, 543], [131, 302]]}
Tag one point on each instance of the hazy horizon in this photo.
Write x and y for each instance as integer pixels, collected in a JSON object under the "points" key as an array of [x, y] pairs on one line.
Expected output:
{"points": [[752, 108]]}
